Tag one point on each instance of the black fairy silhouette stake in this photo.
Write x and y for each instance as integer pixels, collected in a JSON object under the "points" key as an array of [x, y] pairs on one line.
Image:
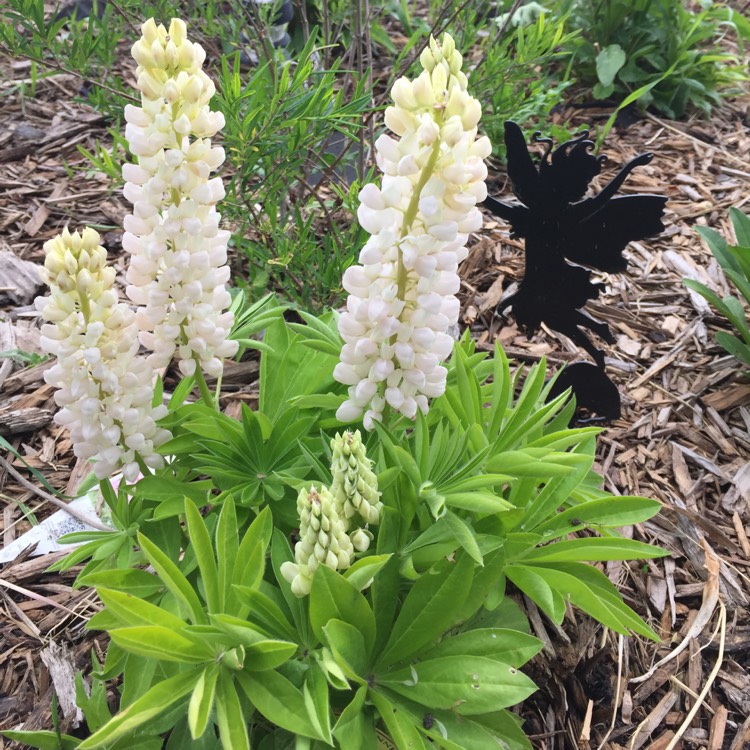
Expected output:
{"points": [[567, 234]]}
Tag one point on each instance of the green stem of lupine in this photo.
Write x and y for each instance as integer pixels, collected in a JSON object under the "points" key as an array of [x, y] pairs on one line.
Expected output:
{"points": [[206, 395], [411, 212], [142, 465]]}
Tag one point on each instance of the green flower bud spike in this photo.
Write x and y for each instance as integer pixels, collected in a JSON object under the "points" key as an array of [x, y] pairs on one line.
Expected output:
{"points": [[355, 486], [323, 540]]}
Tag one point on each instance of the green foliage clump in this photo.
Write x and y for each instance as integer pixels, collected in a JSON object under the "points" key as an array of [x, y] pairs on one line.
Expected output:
{"points": [[419, 643], [668, 53], [735, 262]]}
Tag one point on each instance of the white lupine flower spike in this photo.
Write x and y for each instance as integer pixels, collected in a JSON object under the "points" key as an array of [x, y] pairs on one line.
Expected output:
{"points": [[178, 270], [402, 297], [104, 389], [323, 540]]}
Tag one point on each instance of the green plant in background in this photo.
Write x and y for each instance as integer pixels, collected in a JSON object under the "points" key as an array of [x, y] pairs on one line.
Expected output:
{"points": [[735, 262], [625, 45], [502, 81]]}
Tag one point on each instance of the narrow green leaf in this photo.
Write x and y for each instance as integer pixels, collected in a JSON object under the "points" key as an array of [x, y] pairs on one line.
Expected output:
{"points": [[227, 549], [162, 643], [334, 598], [535, 586], [593, 549], [348, 647], [508, 646], [355, 729], [400, 727], [174, 580], [279, 701], [265, 613], [362, 573], [317, 700], [131, 610], [127, 580], [229, 715], [43, 740], [202, 701], [465, 684], [200, 541], [153, 702]]}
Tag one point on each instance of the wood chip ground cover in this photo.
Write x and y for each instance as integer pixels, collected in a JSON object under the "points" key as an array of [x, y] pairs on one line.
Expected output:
{"points": [[682, 438]]}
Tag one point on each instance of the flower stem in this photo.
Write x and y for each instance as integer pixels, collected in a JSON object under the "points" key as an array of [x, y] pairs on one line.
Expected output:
{"points": [[207, 397], [411, 214]]}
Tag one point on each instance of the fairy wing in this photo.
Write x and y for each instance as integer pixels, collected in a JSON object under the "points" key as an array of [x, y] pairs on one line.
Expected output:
{"points": [[521, 170], [597, 240]]}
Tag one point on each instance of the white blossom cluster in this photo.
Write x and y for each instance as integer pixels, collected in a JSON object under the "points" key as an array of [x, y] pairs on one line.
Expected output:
{"points": [[402, 297], [104, 389], [325, 515], [178, 270]]}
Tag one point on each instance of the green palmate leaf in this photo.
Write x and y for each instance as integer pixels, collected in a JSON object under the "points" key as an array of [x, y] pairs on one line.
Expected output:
{"points": [[44, 740], [508, 646], [362, 573], [465, 684], [279, 701], [130, 610], [400, 727], [162, 643], [535, 586], [429, 609], [173, 579], [589, 589], [334, 598], [348, 647], [535, 463], [547, 500], [266, 614], [202, 701], [355, 728], [153, 702], [229, 715], [200, 541]]}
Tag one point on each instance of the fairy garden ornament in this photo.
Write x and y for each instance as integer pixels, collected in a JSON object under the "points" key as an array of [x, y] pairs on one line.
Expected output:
{"points": [[567, 236]]}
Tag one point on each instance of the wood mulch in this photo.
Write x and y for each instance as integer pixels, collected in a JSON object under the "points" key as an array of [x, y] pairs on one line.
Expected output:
{"points": [[682, 438]]}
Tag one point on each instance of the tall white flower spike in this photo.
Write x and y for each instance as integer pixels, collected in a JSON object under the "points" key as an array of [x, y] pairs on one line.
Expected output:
{"points": [[104, 389], [178, 270], [402, 297]]}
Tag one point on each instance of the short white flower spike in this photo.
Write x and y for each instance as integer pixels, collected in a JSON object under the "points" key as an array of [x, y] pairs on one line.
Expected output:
{"points": [[402, 297], [178, 270], [104, 389], [322, 540]]}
